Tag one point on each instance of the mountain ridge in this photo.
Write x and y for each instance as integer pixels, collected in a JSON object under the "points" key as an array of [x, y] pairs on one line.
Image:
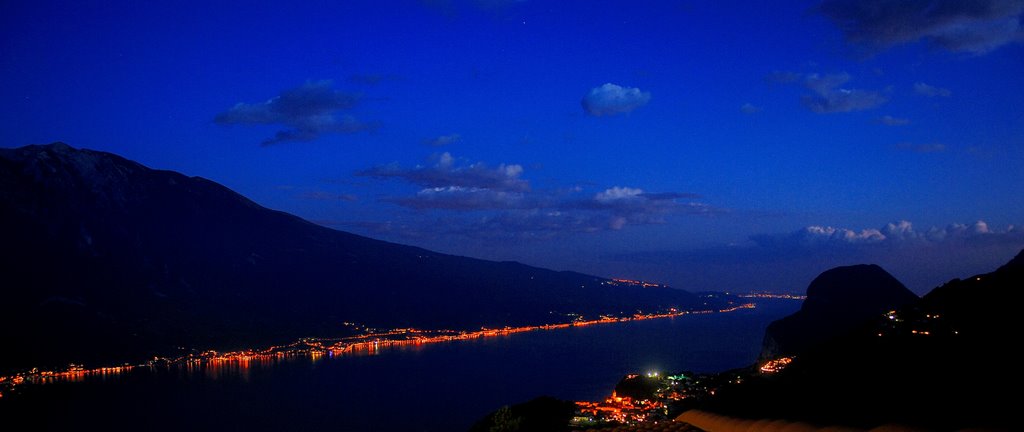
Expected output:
{"points": [[106, 257]]}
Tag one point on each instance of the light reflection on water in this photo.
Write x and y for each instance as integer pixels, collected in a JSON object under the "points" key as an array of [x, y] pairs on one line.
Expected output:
{"points": [[445, 386]]}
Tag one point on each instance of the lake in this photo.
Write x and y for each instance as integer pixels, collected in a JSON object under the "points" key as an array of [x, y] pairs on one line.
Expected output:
{"points": [[435, 387]]}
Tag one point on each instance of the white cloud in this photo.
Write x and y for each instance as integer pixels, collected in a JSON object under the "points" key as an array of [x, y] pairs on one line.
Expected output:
{"points": [[895, 233], [617, 193], [610, 99]]}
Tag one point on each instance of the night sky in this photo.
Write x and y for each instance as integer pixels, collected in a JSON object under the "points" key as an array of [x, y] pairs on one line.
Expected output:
{"points": [[709, 145]]}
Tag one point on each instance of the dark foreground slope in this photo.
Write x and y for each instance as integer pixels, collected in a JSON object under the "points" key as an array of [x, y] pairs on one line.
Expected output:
{"points": [[104, 259], [945, 362]]}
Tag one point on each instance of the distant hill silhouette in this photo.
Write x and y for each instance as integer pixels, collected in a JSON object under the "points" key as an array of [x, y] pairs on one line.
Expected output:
{"points": [[105, 259], [945, 362], [837, 301]]}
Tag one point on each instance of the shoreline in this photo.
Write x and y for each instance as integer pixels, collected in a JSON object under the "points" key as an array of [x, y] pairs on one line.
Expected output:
{"points": [[316, 348]]}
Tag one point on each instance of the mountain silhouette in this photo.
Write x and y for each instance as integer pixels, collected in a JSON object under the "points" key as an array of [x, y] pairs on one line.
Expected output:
{"points": [[838, 300], [944, 362], [105, 259]]}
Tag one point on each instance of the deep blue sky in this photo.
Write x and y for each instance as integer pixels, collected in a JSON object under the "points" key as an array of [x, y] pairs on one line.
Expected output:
{"points": [[708, 145]]}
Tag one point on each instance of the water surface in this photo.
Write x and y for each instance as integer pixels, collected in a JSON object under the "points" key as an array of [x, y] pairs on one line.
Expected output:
{"points": [[436, 387]]}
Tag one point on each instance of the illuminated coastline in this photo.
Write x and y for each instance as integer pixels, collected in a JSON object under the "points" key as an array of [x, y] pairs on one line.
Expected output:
{"points": [[370, 343], [771, 295]]}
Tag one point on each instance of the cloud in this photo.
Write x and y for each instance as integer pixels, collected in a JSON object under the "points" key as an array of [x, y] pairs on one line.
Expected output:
{"points": [[308, 111], [598, 214], [922, 148], [498, 202], [451, 185], [491, 215], [462, 198], [920, 258], [813, 236], [749, 108], [889, 120], [625, 205], [931, 91], [829, 94], [447, 172], [444, 140], [628, 197], [657, 196], [617, 206], [893, 234], [843, 100], [611, 99], [976, 26], [783, 77], [829, 97], [618, 194], [822, 84]]}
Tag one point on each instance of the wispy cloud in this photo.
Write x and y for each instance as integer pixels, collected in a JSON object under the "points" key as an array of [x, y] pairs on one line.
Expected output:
{"points": [[830, 97], [889, 120], [610, 99], [931, 91], [922, 148], [443, 140], [976, 26], [448, 171], [308, 111], [559, 219], [463, 198], [502, 204], [749, 108], [627, 205], [658, 196]]}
